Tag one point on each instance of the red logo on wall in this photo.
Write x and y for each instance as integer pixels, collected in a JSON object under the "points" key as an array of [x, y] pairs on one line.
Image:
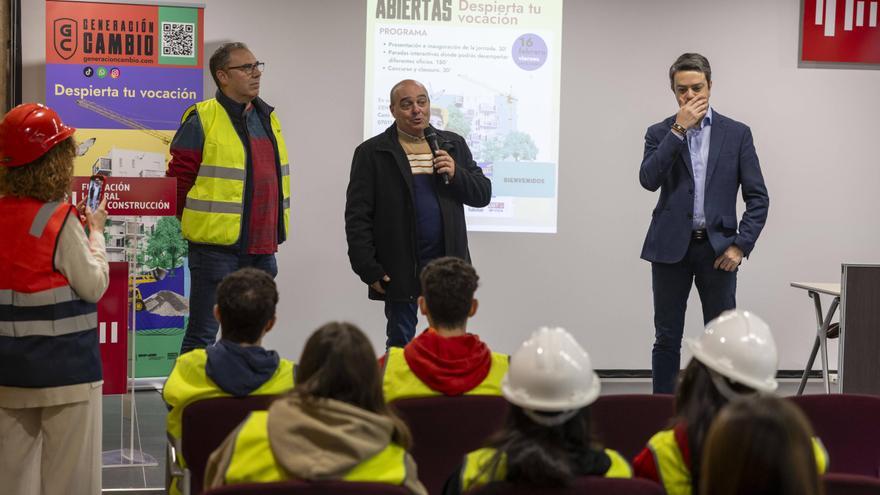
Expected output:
{"points": [[65, 37], [840, 31]]}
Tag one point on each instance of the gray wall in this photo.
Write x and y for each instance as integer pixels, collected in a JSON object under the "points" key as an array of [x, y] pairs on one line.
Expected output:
{"points": [[813, 129]]}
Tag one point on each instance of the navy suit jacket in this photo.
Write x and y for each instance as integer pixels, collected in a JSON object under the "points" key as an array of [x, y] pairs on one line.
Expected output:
{"points": [[732, 163]]}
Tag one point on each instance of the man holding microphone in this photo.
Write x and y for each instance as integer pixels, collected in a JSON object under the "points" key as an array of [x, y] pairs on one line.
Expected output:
{"points": [[404, 206]]}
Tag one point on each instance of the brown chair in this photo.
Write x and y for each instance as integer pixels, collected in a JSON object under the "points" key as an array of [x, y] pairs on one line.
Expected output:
{"points": [[205, 424], [850, 484], [444, 429], [296, 487], [849, 427], [582, 485], [625, 423]]}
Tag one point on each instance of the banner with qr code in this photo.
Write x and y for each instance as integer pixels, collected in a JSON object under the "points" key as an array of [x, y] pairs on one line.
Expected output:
{"points": [[122, 66], [123, 74], [123, 34]]}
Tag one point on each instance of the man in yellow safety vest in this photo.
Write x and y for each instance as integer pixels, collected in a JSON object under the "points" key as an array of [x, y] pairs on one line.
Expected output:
{"points": [[233, 184]]}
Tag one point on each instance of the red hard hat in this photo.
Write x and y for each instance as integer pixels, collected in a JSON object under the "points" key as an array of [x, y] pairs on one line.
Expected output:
{"points": [[28, 131]]}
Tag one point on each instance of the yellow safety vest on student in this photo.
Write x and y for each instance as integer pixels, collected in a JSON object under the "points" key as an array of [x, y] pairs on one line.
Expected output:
{"points": [[215, 204], [477, 470], [189, 383], [399, 381], [252, 460], [675, 474]]}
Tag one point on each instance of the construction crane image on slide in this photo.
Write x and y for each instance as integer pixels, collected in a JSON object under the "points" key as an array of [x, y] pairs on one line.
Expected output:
{"points": [[122, 119], [506, 94]]}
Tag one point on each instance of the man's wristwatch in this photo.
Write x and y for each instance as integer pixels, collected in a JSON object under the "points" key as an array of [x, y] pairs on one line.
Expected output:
{"points": [[679, 128]]}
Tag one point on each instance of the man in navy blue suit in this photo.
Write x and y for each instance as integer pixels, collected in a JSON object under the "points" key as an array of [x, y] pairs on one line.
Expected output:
{"points": [[698, 159]]}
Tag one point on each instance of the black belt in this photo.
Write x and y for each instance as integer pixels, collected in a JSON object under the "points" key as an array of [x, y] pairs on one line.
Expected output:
{"points": [[699, 235]]}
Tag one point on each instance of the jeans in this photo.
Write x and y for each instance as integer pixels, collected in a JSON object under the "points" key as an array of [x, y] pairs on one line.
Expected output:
{"points": [[672, 284], [404, 316], [207, 267], [402, 319]]}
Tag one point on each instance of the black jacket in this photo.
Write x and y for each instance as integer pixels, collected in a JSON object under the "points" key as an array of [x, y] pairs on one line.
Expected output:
{"points": [[380, 217]]}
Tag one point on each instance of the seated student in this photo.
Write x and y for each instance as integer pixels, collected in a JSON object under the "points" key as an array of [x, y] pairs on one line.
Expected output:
{"points": [[733, 358], [236, 365], [546, 441], [760, 446], [333, 426], [444, 359]]}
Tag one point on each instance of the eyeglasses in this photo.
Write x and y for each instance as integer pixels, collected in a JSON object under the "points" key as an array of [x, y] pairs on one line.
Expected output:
{"points": [[249, 68]]}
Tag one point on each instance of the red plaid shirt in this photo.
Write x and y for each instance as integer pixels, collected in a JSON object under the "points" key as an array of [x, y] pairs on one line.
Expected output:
{"points": [[263, 224]]}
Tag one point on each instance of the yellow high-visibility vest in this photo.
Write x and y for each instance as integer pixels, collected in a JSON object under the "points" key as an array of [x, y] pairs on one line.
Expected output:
{"points": [[675, 474], [399, 381], [252, 460], [215, 204], [189, 383], [478, 471]]}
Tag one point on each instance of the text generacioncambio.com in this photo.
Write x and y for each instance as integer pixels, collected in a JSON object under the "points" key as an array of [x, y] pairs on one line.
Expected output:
{"points": [[118, 60]]}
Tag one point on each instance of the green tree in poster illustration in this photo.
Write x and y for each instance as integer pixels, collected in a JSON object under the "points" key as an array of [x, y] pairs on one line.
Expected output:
{"points": [[458, 122], [165, 247], [520, 146], [493, 150]]}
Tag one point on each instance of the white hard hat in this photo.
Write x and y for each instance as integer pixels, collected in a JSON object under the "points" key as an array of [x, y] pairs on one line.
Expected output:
{"points": [[739, 346], [550, 372]]}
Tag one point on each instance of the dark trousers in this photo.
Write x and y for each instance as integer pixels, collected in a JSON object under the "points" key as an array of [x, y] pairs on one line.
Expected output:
{"points": [[403, 316], [207, 267], [672, 285], [402, 319]]}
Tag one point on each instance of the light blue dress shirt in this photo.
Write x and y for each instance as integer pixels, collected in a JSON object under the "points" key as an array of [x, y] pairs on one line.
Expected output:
{"points": [[698, 145]]}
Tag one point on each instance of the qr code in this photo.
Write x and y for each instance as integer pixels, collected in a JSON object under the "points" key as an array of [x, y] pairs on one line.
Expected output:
{"points": [[178, 39]]}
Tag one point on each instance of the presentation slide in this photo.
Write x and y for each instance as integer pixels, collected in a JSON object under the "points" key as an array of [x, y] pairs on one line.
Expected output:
{"points": [[492, 70]]}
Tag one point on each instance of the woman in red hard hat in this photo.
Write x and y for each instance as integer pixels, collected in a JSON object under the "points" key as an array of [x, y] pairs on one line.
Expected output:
{"points": [[51, 275]]}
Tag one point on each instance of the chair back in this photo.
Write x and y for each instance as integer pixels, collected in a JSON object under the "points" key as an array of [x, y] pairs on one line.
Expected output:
{"points": [[582, 485], [625, 423], [849, 427], [206, 423], [850, 484], [444, 429], [296, 487]]}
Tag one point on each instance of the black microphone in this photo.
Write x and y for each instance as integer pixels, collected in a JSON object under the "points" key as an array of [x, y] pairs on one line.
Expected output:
{"points": [[431, 138]]}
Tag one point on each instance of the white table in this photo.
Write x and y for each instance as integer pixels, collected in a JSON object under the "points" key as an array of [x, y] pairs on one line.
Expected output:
{"points": [[823, 321]]}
